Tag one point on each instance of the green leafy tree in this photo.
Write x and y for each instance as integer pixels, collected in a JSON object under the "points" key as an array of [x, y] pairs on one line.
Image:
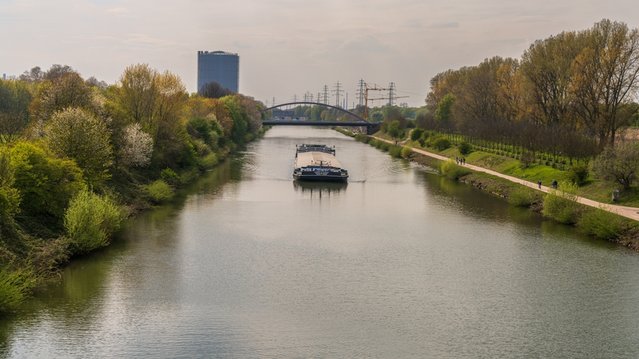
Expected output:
{"points": [[78, 134], [416, 134], [239, 117], [9, 197], [90, 221], [14, 107], [66, 89], [46, 184], [619, 164], [444, 110], [253, 112], [172, 146], [424, 119], [135, 97], [157, 102], [394, 113], [394, 129], [465, 148]]}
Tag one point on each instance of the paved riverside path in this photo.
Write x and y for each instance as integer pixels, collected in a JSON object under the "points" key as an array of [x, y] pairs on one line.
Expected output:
{"points": [[628, 212]]}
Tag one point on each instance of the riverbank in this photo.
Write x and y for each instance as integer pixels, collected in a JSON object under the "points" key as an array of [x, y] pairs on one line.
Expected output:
{"points": [[617, 224], [42, 258], [46, 257], [74, 171]]}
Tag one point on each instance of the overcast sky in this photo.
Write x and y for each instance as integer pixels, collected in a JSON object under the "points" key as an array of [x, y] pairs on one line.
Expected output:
{"points": [[288, 47]]}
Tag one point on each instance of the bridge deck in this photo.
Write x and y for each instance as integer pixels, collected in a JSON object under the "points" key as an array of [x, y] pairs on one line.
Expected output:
{"points": [[313, 123]]}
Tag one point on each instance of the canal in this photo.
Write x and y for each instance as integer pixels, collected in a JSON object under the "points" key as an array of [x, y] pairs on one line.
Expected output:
{"points": [[399, 263]]}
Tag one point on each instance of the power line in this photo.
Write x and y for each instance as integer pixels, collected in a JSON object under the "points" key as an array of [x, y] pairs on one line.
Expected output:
{"points": [[308, 97], [338, 91], [360, 92], [325, 100], [391, 94]]}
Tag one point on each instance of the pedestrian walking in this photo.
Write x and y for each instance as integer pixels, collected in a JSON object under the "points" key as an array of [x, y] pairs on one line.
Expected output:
{"points": [[539, 184]]}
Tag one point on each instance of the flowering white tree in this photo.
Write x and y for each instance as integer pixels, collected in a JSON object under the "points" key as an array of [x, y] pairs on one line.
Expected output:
{"points": [[137, 146]]}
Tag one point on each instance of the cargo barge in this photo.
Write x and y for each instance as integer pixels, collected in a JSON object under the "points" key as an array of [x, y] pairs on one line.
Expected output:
{"points": [[318, 163]]}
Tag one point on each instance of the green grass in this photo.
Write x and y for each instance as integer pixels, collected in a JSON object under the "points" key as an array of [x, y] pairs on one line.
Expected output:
{"points": [[603, 225], [536, 173], [602, 191], [597, 190]]}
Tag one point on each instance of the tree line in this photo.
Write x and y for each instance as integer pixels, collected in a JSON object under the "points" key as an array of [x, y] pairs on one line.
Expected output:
{"points": [[77, 155], [568, 94]]}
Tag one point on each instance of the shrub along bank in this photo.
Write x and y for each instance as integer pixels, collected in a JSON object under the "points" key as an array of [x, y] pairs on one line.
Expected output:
{"points": [[83, 156], [558, 205]]}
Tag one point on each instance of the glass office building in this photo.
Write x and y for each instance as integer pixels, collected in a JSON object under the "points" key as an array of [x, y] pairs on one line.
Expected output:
{"points": [[219, 66]]}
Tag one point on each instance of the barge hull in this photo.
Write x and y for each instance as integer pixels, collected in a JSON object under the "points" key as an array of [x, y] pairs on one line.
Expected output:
{"points": [[320, 178]]}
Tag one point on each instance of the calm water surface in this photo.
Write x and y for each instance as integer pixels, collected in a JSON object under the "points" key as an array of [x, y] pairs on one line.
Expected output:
{"points": [[398, 263]]}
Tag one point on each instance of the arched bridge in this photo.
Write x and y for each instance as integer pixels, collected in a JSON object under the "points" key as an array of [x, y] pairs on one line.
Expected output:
{"points": [[358, 122]]}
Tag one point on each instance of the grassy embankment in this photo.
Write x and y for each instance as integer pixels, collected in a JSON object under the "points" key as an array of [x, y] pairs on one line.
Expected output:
{"points": [[558, 205], [544, 168]]}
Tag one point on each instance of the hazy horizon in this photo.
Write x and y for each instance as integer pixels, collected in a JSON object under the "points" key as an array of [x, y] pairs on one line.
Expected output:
{"points": [[288, 47]]}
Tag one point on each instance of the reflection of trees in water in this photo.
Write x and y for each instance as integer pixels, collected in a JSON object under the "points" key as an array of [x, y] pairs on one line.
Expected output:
{"points": [[5, 334], [228, 170], [87, 282], [320, 189], [80, 290], [485, 206], [474, 202]]}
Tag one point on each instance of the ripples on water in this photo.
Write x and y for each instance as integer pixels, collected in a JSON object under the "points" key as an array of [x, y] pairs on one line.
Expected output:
{"points": [[397, 263]]}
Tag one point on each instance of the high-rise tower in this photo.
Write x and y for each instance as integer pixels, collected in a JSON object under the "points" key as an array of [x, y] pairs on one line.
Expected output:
{"points": [[218, 66]]}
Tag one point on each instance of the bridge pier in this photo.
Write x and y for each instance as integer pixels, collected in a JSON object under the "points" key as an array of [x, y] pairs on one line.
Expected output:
{"points": [[372, 128]]}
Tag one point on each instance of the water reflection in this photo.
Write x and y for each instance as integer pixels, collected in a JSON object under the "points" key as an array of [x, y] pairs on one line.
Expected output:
{"points": [[397, 263], [319, 189]]}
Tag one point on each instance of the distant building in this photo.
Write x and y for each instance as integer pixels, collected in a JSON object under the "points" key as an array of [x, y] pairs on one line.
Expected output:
{"points": [[218, 66]]}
